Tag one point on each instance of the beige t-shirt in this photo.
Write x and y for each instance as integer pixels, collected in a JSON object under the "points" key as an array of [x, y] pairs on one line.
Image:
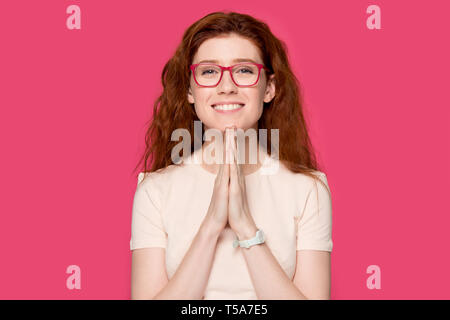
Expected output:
{"points": [[294, 212]]}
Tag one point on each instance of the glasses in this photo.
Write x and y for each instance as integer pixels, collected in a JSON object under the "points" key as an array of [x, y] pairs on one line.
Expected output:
{"points": [[243, 74]]}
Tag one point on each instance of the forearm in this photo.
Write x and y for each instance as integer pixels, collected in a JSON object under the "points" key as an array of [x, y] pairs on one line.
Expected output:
{"points": [[268, 277], [190, 279]]}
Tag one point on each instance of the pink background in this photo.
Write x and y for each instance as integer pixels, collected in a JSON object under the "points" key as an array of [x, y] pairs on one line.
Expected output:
{"points": [[74, 104]]}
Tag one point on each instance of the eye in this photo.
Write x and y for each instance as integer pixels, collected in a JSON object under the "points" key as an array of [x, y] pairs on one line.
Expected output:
{"points": [[245, 70], [208, 71]]}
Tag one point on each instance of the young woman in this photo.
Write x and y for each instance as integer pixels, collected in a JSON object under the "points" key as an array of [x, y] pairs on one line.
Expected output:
{"points": [[231, 73]]}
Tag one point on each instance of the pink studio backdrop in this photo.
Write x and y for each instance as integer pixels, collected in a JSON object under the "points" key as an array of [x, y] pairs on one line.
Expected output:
{"points": [[74, 104]]}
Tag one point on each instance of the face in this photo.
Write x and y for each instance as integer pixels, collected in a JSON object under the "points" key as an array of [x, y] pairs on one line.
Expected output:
{"points": [[225, 50]]}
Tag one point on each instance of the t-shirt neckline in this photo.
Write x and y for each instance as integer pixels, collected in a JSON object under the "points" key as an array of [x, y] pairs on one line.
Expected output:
{"points": [[214, 175]]}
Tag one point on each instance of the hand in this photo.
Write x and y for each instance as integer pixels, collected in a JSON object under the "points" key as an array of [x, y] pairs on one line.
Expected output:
{"points": [[239, 216], [217, 215]]}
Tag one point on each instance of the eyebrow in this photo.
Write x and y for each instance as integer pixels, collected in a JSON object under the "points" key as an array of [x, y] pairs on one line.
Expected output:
{"points": [[234, 61]]}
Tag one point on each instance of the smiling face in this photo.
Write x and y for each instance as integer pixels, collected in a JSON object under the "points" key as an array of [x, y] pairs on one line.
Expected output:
{"points": [[226, 50]]}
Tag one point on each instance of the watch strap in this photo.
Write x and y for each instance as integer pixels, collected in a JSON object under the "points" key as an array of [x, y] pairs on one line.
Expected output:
{"points": [[257, 239]]}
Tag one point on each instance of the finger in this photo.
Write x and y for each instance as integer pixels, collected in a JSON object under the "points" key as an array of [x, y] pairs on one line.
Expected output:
{"points": [[228, 154], [234, 174], [225, 165], [222, 163], [237, 165], [234, 149], [226, 174], [224, 147], [240, 173], [220, 172]]}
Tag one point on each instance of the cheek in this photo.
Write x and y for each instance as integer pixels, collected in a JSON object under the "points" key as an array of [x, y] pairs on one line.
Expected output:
{"points": [[201, 112], [204, 112], [256, 115], [258, 104]]}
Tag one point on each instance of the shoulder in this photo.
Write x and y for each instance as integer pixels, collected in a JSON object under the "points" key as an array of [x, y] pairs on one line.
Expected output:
{"points": [[319, 188], [303, 180], [318, 183], [311, 186], [321, 176], [165, 176]]}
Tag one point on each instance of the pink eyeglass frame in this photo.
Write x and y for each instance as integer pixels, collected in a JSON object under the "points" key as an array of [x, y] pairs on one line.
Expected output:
{"points": [[260, 66]]}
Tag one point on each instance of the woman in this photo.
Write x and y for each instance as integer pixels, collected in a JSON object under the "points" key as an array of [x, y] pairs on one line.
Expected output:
{"points": [[187, 217]]}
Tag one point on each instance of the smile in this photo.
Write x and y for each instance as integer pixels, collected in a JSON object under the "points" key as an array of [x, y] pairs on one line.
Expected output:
{"points": [[227, 108]]}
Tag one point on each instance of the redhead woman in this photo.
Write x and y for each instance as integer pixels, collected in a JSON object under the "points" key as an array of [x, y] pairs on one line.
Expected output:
{"points": [[218, 225]]}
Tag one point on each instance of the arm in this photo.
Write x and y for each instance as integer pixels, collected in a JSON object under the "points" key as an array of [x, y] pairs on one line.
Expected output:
{"points": [[149, 278], [265, 271], [312, 278], [192, 275], [148, 272], [312, 275], [190, 279]]}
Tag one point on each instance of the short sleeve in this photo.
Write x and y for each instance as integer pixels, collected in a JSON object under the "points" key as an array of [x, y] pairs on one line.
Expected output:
{"points": [[314, 224], [147, 228]]}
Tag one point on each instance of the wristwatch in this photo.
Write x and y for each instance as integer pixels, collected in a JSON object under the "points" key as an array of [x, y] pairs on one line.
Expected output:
{"points": [[258, 239]]}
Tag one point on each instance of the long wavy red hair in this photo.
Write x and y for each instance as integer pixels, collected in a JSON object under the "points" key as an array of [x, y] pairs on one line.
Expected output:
{"points": [[285, 112]]}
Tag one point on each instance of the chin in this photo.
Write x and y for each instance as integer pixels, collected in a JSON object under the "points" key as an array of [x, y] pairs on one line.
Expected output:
{"points": [[243, 126], [222, 125]]}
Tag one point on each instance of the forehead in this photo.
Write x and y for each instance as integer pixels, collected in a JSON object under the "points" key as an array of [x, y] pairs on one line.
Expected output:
{"points": [[227, 49]]}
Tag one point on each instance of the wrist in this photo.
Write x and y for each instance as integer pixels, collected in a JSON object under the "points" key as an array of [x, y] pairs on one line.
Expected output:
{"points": [[247, 231], [209, 230]]}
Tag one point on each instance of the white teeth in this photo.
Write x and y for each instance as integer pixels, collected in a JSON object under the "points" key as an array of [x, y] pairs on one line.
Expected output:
{"points": [[227, 106]]}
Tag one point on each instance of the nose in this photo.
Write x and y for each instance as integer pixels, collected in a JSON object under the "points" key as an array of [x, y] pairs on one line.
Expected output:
{"points": [[226, 84]]}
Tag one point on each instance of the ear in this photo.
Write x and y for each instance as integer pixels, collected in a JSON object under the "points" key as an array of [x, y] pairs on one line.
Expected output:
{"points": [[190, 96], [270, 89]]}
